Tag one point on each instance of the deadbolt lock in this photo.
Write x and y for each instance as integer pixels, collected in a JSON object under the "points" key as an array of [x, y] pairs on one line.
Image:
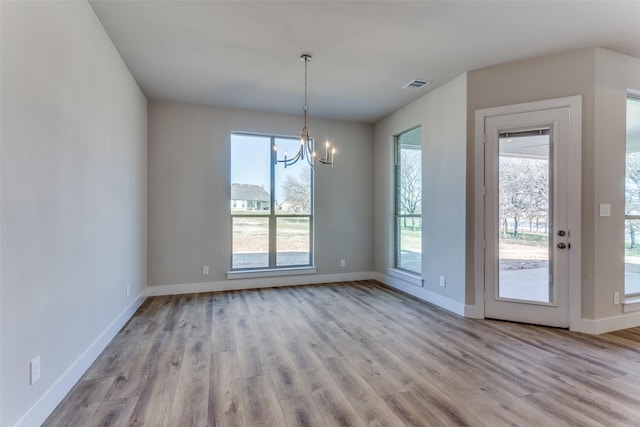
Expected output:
{"points": [[561, 232]]}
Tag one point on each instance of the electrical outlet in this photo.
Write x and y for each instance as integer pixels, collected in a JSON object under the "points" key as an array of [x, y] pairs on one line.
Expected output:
{"points": [[205, 270], [443, 281], [616, 298], [343, 262], [34, 368]]}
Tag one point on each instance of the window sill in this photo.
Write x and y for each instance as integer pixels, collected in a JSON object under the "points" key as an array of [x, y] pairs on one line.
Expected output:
{"points": [[250, 274], [410, 278], [631, 304]]}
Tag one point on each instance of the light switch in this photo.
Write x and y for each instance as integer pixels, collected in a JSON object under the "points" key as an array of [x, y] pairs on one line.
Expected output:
{"points": [[605, 209]]}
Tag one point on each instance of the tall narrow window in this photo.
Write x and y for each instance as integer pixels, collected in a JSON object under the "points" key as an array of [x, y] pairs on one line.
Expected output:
{"points": [[632, 200], [408, 226], [271, 206]]}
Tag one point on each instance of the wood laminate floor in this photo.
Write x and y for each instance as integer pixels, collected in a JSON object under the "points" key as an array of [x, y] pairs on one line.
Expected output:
{"points": [[349, 354]]}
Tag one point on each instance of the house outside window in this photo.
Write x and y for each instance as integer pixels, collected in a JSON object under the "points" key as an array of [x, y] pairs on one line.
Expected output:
{"points": [[271, 206], [249, 197]]}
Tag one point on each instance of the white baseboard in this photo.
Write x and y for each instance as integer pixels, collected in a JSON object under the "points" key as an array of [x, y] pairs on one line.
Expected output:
{"points": [[608, 324], [54, 395], [474, 311], [264, 282], [422, 293]]}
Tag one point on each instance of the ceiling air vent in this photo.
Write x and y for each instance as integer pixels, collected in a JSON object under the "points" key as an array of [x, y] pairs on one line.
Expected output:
{"points": [[416, 84]]}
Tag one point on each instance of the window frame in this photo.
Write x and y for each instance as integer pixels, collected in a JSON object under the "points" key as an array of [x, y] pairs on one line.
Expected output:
{"points": [[398, 215], [628, 217], [272, 268]]}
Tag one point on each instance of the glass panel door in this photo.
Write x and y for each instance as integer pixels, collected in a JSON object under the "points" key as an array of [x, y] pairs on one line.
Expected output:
{"points": [[527, 216], [524, 225]]}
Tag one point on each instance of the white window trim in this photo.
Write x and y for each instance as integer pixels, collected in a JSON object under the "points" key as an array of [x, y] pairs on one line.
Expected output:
{"points": [[631, 301], [273, 216], [411, 277], [272, 272], [406, 276]]}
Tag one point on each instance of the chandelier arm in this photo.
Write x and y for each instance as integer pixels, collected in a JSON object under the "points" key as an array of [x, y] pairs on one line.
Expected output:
{"points": [[293, 160]]}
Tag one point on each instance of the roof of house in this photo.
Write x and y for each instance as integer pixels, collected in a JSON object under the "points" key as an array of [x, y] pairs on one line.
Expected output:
{"points": [[249, 192]]}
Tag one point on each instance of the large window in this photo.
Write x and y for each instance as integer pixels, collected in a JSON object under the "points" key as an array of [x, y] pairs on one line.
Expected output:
{"points": [[632, 200], [408, 224], [271, 206]]}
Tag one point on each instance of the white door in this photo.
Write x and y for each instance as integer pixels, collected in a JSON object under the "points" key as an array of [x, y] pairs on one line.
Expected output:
{"points": [[527, 216]]}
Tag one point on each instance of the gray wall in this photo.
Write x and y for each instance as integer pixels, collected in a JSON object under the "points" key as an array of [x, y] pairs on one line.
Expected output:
{"points": [[73, 192], [442, 115], [614, 75], [189, 191], [602, 78], [536, 79]]}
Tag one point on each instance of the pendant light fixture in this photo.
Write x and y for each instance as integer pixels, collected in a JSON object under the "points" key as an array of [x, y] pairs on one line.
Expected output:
{"points": [[306, 142]]}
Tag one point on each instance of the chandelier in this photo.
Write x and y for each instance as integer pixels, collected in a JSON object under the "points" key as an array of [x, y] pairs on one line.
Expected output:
{"points": [[306, 142]]}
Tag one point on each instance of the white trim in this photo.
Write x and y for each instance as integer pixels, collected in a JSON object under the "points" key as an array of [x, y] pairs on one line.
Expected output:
{"points": [[631, 304], [608, 324], [574, 103], [475, 311], [479, 196], [275, 272], [423, 294], [39, 412], [254, 283], [410, 278]]}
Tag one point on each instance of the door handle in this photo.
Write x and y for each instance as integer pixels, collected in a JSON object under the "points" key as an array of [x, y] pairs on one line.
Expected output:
{"points": [[562, 245]]}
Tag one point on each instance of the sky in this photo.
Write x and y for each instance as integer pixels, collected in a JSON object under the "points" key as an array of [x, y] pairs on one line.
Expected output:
{"points": [[251, 160]]}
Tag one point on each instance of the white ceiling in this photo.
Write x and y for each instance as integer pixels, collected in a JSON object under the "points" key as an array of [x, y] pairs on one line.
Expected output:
{"points": [[245, 54]]}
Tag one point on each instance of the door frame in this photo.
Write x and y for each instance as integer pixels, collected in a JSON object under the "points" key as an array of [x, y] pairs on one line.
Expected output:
{"points": [[574, 103]]}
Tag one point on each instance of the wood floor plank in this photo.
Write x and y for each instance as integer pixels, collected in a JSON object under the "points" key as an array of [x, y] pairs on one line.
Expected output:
{"points": [[250, 360], [443, 407], [303, 356], [191, 398], [562, 410], [262, 408], [360, 394], [113, 413], [88, 395], [331, 400], [238, 304], [412, 411], [302, 412], [114, 356], [287, 381], [348, 354], [156, 398], [226, 405], [133, 371]]}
